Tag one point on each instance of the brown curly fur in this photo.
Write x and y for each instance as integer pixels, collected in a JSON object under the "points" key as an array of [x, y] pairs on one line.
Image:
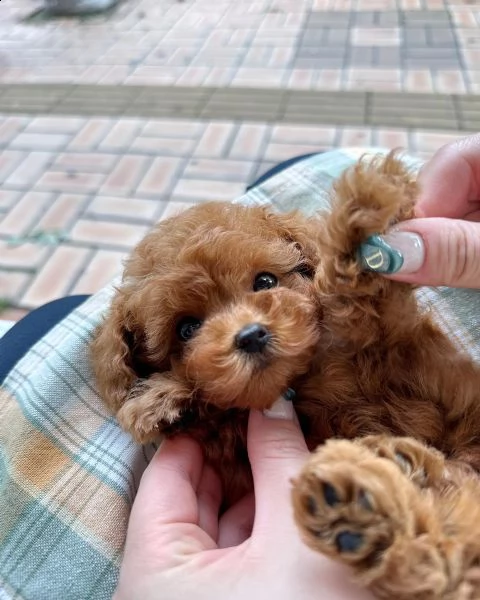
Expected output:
{"points": [[363, 359]]}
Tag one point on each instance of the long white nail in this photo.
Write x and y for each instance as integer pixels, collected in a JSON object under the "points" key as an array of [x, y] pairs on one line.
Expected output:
{"points": [[281, 409], [411, 247]]}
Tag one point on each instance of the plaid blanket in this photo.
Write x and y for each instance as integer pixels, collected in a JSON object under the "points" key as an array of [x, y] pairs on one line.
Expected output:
{"points": [[68, 474]]}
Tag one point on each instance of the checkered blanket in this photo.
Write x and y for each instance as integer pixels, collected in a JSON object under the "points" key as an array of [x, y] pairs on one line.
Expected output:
{"points": [[68, 474]]}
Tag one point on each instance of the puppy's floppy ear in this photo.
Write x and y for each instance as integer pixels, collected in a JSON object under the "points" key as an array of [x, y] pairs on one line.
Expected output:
{"points": [[112, 355], [145, 404]]}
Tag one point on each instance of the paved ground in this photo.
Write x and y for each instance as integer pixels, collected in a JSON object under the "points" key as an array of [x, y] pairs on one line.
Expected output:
{"points": [[197, 98]]}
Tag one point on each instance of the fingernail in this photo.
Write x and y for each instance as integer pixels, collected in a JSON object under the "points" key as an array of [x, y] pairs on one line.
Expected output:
{"points": [[394, 252], [281, 409]]}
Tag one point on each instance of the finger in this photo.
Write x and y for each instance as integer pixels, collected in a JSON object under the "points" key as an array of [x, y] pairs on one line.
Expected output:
{"points": [[236, 524], [450, 253], [209, 498], [450, 181], [277, 450], [167, 492]]}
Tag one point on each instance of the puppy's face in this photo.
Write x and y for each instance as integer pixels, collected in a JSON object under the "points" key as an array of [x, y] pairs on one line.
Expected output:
{"points": [[221, 299]]}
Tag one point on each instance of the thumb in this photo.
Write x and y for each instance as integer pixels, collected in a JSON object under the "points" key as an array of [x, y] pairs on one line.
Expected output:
{"points": [[433, 251], [277, 451]]}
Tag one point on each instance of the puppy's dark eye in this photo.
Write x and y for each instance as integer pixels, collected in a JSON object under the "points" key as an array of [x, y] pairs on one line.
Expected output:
{"points": [[264, 281], [187, 326]]}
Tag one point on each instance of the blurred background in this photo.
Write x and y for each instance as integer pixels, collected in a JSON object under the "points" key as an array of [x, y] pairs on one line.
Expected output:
{"points": [[114, 115]]}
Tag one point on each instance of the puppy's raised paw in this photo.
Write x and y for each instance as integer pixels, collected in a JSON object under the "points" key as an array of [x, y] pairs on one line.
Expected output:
{"points": [[368, 199]]}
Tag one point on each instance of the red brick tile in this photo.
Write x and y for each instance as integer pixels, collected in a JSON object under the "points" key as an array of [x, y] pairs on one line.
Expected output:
{"points": [[12, 284], [13, 314], [108, 206], [418, 80], [208, 190], [10, 128], [59, 182], [227, 170], [40, 141], [392, 138], [50, 125], [292, 134], [158, 145], [214, 140], [175, 208], [24, 215], [329, 79], [160, 178], [117, 74], [8, 199], [175, 128], [104, 266], [249, 141], [96, 162], [193, 76], [91, 134], [24, 256], [450, 82], [62, 212], [29, 169], [356, 136], [278, 152], [56, 277], [100, 233], [94, 74], [430, 142], [121, 135], [125, 176], [301, 79]]}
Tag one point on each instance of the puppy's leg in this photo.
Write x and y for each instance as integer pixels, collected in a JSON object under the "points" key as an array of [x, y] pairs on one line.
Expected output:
{"points": [[367, 199], [369, 504], [153, 405]]}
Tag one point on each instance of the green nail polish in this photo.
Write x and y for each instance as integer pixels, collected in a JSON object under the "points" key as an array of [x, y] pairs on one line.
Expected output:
{"points": [[376, 255]]}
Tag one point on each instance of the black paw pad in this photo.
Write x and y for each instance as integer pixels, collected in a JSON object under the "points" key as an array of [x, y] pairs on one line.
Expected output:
{"points": [[348, 541], [330, 494]]}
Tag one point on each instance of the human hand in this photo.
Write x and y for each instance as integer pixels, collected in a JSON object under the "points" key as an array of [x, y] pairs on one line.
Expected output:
{"points": [[442, 245], [178, 548]]}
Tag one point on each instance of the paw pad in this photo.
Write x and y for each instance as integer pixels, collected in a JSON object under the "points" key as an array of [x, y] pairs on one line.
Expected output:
{"points": [[348, 541], [330, 494]]}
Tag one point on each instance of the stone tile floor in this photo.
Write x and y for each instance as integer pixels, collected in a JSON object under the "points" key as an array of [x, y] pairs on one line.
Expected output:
{"points": [[77, 192], [410, 45]]}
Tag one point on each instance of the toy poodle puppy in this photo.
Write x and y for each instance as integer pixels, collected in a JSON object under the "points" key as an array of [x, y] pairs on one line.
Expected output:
{"points": [[224, 307]]}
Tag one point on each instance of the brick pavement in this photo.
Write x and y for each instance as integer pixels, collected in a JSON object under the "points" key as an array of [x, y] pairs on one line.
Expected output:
{"points": [[407, 45]]}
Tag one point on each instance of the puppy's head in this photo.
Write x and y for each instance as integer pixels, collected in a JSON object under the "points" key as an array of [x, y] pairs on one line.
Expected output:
{"points": [[216, 307]]}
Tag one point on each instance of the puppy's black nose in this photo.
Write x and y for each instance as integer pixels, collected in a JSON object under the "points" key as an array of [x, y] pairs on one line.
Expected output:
{"points": [[252, 338]]}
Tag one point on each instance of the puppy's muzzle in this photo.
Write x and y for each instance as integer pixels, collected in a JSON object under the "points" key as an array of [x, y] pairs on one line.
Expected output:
{"points": [[252, 338]]}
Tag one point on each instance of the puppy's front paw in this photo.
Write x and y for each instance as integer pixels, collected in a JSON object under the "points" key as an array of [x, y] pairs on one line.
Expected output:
{"points": [[154, 405]]}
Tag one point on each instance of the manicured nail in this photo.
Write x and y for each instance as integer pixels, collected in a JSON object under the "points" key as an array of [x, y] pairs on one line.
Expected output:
{"points": [[394, 252], [281, 409]]}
